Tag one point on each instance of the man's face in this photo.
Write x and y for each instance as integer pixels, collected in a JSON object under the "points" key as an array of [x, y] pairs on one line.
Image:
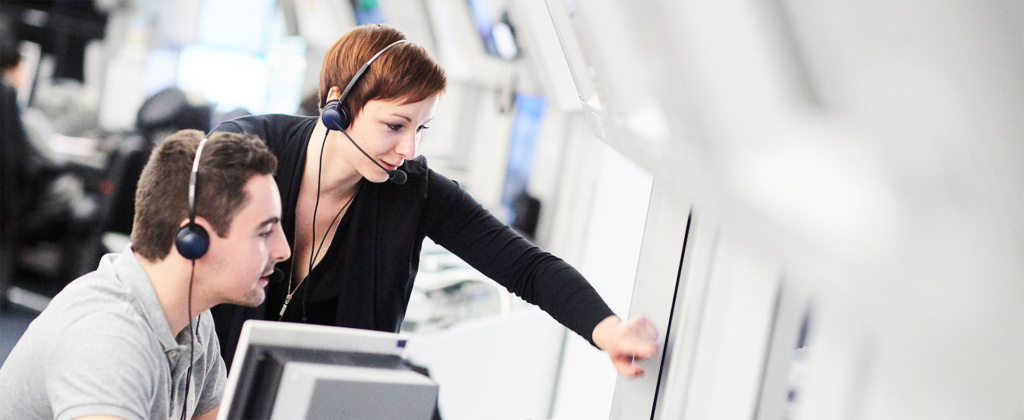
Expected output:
{"points": [[239, 264]]}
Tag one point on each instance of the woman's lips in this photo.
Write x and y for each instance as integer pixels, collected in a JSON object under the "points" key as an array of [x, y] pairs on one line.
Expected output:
{"points": [[265, 278]]}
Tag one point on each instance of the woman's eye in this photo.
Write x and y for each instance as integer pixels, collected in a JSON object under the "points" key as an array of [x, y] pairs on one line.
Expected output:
{"points": [[266, 234], [421, 128], [395, 127]]}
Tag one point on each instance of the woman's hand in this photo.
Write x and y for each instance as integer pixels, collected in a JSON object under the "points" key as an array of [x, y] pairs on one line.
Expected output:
{"points": [[627, 342]]}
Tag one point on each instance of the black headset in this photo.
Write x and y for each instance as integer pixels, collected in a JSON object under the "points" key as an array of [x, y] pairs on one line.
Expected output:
{"points": [[192, 240], [336, 115]]}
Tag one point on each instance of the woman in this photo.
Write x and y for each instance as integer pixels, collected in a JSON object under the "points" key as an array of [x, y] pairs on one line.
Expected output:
{"points": [[356, 237]]}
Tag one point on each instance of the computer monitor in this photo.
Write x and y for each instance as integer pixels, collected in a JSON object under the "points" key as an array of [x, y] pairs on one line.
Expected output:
{"points": [[291, 371], [525, 130], [495, 30]]}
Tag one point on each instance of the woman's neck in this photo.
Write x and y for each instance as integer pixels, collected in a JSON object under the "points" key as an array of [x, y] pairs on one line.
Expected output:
{"points": [[339, 177]]}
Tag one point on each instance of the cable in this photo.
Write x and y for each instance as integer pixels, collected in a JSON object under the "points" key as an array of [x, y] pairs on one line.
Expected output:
{"points": [[191, 342], [314, 252], [312, 240]]}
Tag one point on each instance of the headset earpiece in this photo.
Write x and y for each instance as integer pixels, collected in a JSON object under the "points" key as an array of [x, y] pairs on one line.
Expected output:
{"points": [[335, 116], [192, 241]]}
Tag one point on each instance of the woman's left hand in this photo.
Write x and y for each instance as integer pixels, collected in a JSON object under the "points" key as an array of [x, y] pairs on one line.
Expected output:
{"points": [[626, 342]]}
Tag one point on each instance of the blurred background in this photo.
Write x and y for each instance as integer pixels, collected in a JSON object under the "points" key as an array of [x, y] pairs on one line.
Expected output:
{"points": [[820, 205]]}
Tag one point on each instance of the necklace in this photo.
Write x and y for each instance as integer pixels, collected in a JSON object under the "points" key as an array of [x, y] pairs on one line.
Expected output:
{"points": [[312, 256]]}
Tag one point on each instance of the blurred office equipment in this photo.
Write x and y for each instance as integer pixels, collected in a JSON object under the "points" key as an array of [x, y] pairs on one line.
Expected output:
{"points": [[53, 160], [161, 115], [448, 292], [62, 28], [51, 198], [12, 134]]}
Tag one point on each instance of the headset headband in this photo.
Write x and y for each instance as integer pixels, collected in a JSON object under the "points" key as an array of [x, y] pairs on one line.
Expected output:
{"points": [[362, 69], [192, 183]]}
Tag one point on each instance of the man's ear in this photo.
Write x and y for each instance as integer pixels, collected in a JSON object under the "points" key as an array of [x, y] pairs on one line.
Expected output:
{"points": [[200, 220]]}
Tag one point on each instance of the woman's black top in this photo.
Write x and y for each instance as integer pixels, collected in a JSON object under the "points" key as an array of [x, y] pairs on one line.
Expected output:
{"points": [[366, 275]]}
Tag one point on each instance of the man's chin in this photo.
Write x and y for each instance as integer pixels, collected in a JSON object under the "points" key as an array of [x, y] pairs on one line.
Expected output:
{"points": [[253, 299]]}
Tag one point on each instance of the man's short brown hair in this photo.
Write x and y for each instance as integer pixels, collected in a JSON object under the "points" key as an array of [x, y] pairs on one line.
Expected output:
{"points": [[405, 73], [229, 160]]}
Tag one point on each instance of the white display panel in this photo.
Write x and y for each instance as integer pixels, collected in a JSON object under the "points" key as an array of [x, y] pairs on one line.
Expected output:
{"points": [[656, 289], [248, 28], [227, 77], [873, 150]]}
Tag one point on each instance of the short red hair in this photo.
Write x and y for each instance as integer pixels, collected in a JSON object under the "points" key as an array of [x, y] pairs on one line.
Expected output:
{"points": [[405, 73]]}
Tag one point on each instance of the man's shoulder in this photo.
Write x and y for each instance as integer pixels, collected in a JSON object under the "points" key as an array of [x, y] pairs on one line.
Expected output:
{"points": [[107, 319], [98, 302], [97, 293], [98, 335]]}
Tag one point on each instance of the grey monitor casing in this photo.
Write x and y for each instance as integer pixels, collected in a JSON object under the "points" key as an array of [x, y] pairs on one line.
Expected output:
{"points": [[326, 389]]}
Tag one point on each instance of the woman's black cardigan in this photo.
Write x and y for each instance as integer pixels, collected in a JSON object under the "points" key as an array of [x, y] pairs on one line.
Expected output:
{"points": [[367, 273]]}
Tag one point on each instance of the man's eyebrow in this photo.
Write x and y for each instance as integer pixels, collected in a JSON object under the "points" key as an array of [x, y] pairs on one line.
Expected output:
{"points": [[270, 221]]}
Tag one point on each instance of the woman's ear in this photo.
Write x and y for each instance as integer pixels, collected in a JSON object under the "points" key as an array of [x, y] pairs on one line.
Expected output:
{"points": [[334, 93]]}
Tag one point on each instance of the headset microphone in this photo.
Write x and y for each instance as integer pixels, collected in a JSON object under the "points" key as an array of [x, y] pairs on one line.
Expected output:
{"points": [[397, 176], [276, 277]]}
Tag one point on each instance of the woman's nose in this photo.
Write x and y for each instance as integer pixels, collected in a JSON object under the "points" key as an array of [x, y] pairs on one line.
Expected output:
{"points": [[406, 147], [281, 251]]}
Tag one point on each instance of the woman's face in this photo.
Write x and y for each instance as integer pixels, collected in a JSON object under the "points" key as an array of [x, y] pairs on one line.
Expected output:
{"points": [[389, 132]]}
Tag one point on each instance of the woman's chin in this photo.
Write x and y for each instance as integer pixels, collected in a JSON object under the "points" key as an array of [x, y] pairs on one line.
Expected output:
{"points": [[377, 177]]}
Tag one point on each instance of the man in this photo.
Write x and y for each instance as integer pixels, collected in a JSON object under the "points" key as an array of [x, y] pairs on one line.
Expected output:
{"points": [[115, 343]]}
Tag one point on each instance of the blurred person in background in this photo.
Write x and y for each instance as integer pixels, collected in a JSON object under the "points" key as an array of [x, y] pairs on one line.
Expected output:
{"points": [[10, 61], [12, 144]]}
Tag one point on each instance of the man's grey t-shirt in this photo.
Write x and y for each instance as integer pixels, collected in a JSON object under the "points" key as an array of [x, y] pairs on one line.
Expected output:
{"points": [[103, 347]]}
